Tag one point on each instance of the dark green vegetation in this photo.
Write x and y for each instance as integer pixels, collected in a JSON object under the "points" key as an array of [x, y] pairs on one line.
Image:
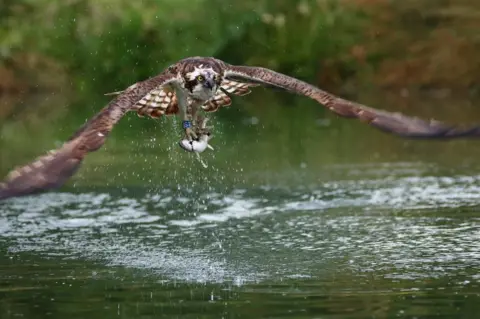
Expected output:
{"points": [[104, 45], [114, 43]]}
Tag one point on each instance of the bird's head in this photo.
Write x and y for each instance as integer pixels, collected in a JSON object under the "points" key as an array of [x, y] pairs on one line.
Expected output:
{"points": [[202, 83]]}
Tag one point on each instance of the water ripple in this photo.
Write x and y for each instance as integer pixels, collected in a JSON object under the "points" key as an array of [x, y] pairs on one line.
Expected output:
{"points": [[403, 227]]}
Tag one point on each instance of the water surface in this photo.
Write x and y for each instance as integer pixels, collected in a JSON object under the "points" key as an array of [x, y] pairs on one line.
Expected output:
{"points": [[299, 215]]}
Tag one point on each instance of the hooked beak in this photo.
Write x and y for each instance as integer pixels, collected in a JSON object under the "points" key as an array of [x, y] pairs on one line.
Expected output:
{"points": [[209, 84]]}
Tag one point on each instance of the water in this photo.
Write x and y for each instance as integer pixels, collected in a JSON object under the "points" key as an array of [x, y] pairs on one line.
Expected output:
{"points": [[348, 223]]}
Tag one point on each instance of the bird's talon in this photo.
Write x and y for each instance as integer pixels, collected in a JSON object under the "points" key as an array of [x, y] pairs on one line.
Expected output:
{"points": [[190, 134], [197, 138]]}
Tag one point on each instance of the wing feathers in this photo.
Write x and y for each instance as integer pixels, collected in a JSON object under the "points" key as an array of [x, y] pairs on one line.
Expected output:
{"points": [[55, 168], [157, 102], [163, 100], [395, 123], [222, 97], [49, 171], [237, 88]]}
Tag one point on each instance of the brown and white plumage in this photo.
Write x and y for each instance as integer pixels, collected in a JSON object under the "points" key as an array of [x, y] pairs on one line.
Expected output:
{"points": [[163, 100], [159, 95]]}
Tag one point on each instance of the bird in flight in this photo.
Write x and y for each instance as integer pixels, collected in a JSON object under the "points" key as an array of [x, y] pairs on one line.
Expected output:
{"points": [[185, 88]]}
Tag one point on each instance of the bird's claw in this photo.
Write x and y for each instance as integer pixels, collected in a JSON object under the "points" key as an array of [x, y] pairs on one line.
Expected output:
{"points": [[196, 139], [190, 134]]}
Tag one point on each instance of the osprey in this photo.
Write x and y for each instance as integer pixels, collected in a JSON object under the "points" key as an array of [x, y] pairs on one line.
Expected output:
{"points": [[185, 88]]}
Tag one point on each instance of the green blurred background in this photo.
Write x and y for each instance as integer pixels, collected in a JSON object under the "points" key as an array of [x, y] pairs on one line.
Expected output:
{"points": [[58, 58], [108, 44]]}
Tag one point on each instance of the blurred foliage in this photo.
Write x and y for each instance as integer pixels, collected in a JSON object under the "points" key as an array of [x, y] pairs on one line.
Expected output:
{"points": [[104, 45], [108, 44], [423, 44]]}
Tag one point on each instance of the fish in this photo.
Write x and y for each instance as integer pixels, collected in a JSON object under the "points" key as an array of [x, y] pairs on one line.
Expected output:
{"points": [[200, 144]]}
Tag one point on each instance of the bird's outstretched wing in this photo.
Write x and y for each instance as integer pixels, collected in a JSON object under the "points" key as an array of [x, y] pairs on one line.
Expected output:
{"points": [[55, 168], [395, 123]]}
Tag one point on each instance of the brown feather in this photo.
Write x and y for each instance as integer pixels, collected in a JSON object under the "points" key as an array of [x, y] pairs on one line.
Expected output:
{"points": [[221, 98], [55, 168], [157, 102], [163, 100], [395, 123], [237, 88], [48, 171]]}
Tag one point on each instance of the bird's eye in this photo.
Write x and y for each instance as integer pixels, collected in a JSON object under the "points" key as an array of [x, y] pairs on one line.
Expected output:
{"points": [[200, 78]]}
